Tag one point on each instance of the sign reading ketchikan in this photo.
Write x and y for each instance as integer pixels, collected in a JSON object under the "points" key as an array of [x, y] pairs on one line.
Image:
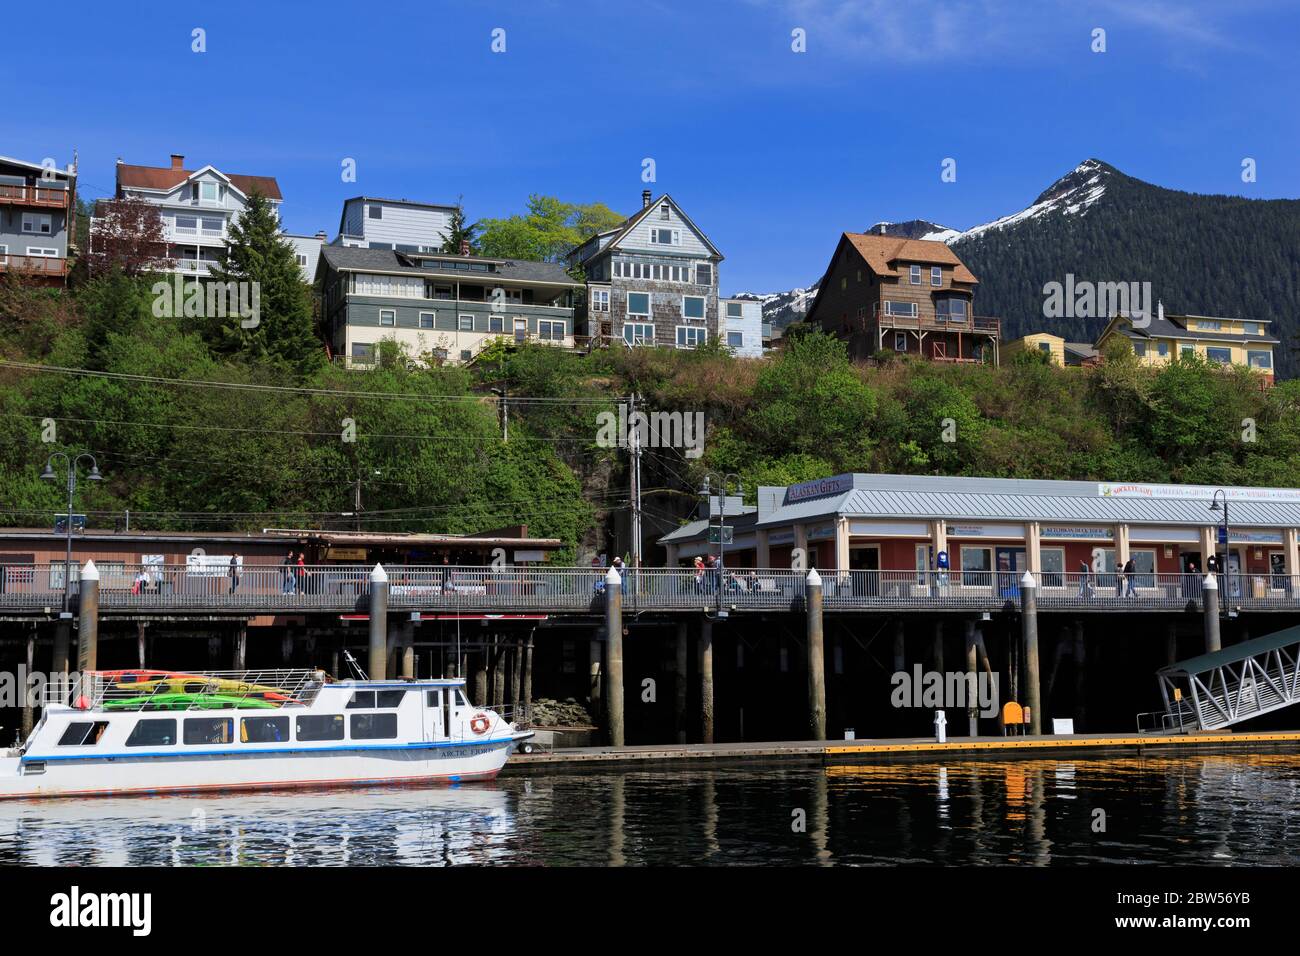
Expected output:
{"points": [[1205, 492]]}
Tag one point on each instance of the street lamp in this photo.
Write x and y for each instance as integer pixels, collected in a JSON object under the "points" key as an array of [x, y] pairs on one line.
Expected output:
{"points": [[48, 474], [706, 492], [1227, 547]]}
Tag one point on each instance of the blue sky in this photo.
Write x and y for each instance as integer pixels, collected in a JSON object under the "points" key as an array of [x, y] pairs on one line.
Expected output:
{"points": [[772, 152]]}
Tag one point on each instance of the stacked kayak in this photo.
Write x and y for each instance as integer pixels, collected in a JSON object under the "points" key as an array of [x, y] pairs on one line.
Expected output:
{"points": [[169, 690], [189, 702]]}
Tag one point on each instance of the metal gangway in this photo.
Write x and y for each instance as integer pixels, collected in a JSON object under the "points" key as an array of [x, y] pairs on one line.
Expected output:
{"points": [[1228, 686]]}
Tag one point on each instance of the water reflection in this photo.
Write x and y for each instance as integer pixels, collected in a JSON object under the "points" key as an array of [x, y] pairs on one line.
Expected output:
{"points": [[1213, 809]]}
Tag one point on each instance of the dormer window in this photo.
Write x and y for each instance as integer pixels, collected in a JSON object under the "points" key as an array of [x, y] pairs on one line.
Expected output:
{"points": [[663, 212], [916, 275], [209, 192]]}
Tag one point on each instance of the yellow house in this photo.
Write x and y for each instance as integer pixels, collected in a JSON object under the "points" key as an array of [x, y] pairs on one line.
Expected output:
{"points": [[1053, 345], [1214, 339]]}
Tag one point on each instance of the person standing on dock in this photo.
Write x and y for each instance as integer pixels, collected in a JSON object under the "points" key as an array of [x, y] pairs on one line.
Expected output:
{"points": [[235, 562], [1130, 571], [288, 582], [1085, 579]]}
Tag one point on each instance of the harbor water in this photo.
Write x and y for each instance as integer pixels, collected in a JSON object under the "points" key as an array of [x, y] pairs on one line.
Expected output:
{"points": [[1222, 809]]}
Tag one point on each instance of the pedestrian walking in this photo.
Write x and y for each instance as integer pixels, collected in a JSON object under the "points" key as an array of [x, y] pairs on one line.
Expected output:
{"points": [[235, 562], [288, 571], [1130, 571], [300, 572], [1085, 579]]}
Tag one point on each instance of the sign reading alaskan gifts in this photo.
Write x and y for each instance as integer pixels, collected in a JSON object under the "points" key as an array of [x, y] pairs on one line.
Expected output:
{"points": [[820, 488]]}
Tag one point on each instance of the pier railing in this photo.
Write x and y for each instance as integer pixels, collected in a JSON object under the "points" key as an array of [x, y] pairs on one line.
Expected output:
{"points": [[346, 589]]}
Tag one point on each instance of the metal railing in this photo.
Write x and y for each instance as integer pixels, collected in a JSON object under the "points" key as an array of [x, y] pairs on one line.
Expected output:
{"points": [[346, 589], [33, 195]]}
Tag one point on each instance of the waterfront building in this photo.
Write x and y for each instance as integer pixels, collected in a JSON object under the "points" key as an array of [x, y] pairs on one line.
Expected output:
{"points": [[38, 206], [403, 225], [197, 207], [862, 522], [442, 308], [651, 280], [905, 296]]}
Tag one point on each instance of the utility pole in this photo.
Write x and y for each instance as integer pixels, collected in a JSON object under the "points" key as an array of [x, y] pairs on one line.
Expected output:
{"points": [[356, 506], [634, 440], [502, 397]]}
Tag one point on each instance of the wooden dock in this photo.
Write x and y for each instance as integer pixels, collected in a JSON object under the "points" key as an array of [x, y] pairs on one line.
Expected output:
{"points": [[918, 749]]}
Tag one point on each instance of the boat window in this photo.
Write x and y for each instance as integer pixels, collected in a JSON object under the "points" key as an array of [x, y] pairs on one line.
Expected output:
{"points": [[209, 730], [158, 732], [389, 698], [374, 726], [83, 733], [264, 730], [461, 698], [433, 699], [321, 727], [362, 698]]}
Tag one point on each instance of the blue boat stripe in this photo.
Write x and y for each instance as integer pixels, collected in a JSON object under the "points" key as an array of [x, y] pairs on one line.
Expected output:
{"points": [[242, 750]]}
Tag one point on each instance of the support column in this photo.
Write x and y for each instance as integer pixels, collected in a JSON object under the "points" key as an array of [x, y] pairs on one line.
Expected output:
{"points": [[1034, 547], [88, 619], [842, 544], [679, 684], [1210, 602], [1080, 682], [377, 665], [497, 665], [801, 544], [526, 685], [900, 656], [140, 644], [672, 550], [26, 719], [1291, 554], [1029, 634], [1171, 642], [481, 678], [762, 549], [408, 650], [972, 677], [241, 648], [1121, 547], [816, 657], [62, 634], [937, 649], [614, 655], [596, 689], [706, 681]]}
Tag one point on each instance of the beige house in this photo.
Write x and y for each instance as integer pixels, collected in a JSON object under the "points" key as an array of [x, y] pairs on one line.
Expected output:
{"points": [[1218, 340], [1053, 345]]}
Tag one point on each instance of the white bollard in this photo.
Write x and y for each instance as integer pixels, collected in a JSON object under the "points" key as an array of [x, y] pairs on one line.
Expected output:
{"points": [[940, 727]]}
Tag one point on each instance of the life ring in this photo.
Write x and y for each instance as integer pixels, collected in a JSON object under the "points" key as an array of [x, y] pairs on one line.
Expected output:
{"points": [[480, 723], [82, 704]]}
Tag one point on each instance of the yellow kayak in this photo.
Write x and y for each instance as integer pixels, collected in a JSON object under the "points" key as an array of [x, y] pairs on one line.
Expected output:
{"points": [[197, 684]]}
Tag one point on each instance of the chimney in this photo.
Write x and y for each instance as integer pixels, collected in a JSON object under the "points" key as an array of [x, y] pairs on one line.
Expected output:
{"points": [[178, 161], [321, 235], [645, 198], [1160, 311], [464, 247]]}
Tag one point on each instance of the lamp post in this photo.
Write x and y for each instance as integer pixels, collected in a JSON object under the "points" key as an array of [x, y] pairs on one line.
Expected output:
{"points": [[1227, 546], [706, 491], [71, 463]]}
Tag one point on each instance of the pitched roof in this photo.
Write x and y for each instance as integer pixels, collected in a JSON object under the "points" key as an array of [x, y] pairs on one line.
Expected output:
{"points": [[356, 258], [881, 252], [630, 222], [1175, 327], [163, 177]]}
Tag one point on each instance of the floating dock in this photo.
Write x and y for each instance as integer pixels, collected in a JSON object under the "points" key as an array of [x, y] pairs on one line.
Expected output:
{"points": [[918, 749]]}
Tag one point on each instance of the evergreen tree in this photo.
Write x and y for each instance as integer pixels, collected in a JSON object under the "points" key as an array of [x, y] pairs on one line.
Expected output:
{"points": [[280, 329], [461, 233]]}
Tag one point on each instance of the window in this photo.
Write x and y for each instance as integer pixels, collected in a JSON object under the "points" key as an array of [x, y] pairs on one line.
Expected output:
{"points": [[1209, 325], [43, 252], [264, 730], [465, 323], [302, 260], [442, 292], [1259, 358], [361, 699], [693, 306], [321, 727], [950, 310], [900, 308], [37, 222], [552, 330], [1053, 560], [4, 255], [936, 275], [704, 274], [599, 300], [916, 275], [387, 316], [690, 336], [638, 303], [665, 237], [466, 355], [1144, 567], [975, 565], [496, 323], [1218, 356], [900, 341], [1162, 349], [210, 192], [1139, 348], [427, 320], [374, 726], [1253, 328], [736, 340], [363, 352], [433, 699], [734, 310], [83, 733], [209, 730], [375, 212], [1188, 351], [663, 212], [213, 226], [153, 733], [1045, 347], [638, 333]]}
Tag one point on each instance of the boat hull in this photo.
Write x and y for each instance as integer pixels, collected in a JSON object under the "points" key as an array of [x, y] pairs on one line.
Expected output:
{"points": [[119, 775]]}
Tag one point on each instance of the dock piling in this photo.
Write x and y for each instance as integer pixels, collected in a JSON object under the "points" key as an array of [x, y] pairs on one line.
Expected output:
{"points": [[614, 655], [1210, 590], [706, 681], [816, 657], [88, 619], [1029, 634], [377, 666], [679, 683]]}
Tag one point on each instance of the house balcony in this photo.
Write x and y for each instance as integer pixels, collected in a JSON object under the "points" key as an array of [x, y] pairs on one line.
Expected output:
{"points": [[11, 194], [979, 324], [54, 266], [189, 235]]}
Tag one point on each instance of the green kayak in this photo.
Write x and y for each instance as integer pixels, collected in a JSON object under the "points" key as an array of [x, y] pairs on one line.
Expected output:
{"points": [[188, 702]]}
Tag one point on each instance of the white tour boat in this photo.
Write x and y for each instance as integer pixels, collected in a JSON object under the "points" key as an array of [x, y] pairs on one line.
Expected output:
{"points": [[165, 732]]}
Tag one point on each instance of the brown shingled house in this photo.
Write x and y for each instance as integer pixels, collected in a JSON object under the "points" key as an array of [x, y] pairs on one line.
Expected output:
{"points": [[910, 296]]}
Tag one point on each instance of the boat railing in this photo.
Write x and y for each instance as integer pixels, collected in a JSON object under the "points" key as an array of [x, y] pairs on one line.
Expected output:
{"points": [[197, 690]]}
